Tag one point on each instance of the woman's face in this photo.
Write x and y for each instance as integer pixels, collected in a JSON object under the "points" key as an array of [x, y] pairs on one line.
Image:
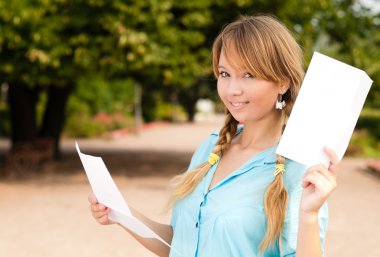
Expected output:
{"points": [[249, 99]]}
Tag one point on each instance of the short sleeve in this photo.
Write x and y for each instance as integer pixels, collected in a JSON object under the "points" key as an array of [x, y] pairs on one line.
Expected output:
{"points": [[203, 150], [290, 232]]}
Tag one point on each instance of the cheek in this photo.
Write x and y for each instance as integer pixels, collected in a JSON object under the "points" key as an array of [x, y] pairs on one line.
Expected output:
{"points": [[221, 92], [264, 99]]}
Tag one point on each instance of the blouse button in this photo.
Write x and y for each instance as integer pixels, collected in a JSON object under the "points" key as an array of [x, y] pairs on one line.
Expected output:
{"points": [[196, 224]]}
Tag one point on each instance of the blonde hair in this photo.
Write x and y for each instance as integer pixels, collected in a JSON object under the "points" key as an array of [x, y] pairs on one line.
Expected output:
{"points": [[267, 49]]}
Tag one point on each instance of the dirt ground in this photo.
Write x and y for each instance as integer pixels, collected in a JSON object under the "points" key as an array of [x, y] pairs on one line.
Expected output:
{"points": [[48, 215]]}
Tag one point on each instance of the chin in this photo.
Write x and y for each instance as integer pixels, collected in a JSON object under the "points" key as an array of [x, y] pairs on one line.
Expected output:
{"points": [[241, 120]]}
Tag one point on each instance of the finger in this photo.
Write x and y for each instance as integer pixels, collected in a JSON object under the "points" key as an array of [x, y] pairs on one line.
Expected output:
{"points": [[92, 199], [312, 181], [322, 185], [316, 170], [104, 220], [334, 160], [305, 183], [100, 214], [329, 176], [97, 207], [309, 178], [325, 172], [309, 171]]}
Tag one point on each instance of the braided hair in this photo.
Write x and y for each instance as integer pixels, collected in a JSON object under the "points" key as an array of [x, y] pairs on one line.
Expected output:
{"points": [[185, 183], [267, 49]]}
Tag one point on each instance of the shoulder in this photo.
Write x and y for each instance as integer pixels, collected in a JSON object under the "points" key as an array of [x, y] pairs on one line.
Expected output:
{"points": [[209, 141], [203, 150], [205, 147]]}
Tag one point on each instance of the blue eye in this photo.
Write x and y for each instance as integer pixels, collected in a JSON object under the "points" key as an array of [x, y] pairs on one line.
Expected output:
{"points": [[223, 74]]}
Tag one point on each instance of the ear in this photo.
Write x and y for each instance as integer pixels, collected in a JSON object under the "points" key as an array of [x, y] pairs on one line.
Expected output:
{"points": [[284, 86]]}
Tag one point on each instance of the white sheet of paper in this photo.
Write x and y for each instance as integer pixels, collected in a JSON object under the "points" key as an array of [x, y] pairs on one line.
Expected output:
{"points": [[325, 112], [108, 194]]}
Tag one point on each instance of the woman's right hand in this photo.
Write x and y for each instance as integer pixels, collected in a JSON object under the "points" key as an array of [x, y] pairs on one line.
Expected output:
{"points": [[99, 211]]}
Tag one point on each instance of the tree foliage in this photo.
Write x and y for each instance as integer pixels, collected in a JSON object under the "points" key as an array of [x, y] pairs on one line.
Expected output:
{"points": [[165, 44]]}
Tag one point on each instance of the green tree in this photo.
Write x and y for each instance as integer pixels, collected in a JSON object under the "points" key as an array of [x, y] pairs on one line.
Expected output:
{"points": [[164, 45]]}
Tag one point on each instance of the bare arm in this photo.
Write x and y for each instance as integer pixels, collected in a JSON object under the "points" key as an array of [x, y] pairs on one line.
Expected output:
{"points": [[100, 213], [308, 241], [318, 182]]}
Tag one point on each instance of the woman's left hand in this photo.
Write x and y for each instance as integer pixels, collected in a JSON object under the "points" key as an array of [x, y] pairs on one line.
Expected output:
{"points": [[318, 182]]}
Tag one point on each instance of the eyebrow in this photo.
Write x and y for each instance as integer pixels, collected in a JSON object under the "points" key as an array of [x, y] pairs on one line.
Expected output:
{"points": [[221, 66]]}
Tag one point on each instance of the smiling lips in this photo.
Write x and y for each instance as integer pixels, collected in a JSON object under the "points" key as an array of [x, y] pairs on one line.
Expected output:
{"points": [[238, 105]]}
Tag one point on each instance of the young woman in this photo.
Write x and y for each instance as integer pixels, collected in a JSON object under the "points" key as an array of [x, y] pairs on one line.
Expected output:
{"points": [[238, 198]]}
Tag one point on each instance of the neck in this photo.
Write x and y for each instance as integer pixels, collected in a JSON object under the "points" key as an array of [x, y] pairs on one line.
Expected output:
{"points": [[262, 134]]}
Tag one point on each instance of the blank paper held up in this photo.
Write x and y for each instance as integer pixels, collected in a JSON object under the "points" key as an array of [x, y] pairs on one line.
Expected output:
{"points": [[325, 112], [108, 194]]}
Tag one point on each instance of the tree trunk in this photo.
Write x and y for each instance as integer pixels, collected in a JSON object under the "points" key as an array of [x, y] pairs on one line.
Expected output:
{"points": [[190, 108], [23, 156], [188, 102], [30, 148], [54, 116], [22, 107]]}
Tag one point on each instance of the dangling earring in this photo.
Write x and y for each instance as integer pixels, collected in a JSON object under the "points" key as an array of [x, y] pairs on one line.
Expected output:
{"points": [[280, 104]]}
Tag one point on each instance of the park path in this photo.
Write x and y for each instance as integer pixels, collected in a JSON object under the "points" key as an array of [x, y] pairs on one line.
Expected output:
{"points": [[48, 215]]}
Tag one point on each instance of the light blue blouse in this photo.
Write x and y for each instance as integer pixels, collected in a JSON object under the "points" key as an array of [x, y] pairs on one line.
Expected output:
{"points": [[229, 220]]}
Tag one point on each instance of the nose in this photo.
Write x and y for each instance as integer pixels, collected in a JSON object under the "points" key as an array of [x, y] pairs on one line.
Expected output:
{"points": [[235, 88]]}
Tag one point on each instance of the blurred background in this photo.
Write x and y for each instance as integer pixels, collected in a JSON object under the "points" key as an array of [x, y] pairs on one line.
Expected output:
{"points": [[132, 82]]}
